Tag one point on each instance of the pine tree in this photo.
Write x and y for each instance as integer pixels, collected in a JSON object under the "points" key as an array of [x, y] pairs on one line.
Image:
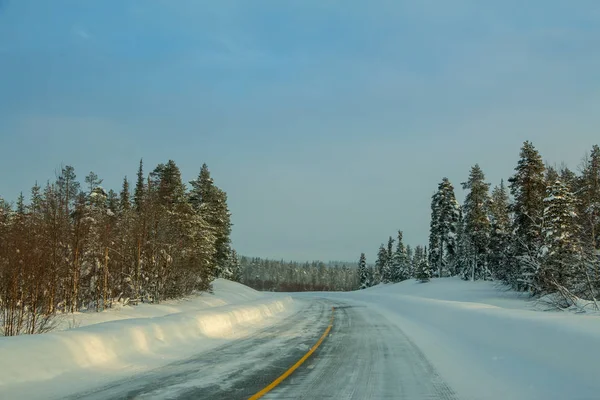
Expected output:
{"points": [[477, 226], [93, 181], [363, 272], [409, 263], [235, 267], [588, 196], [113, 201], [380, 265], [68, 188], [445, 214], [528, 188], [124, 197], [500, 236], [401, 264], [423, 270], [561, 240], [211, 203], [387, 274], [139, 193]]}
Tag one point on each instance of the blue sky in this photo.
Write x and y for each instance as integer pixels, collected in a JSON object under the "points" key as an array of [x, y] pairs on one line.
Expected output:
{"points": [[328, 123]]}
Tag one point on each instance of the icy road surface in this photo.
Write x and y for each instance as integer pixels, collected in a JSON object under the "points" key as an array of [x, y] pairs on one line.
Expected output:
{"points": [[364, 357]]}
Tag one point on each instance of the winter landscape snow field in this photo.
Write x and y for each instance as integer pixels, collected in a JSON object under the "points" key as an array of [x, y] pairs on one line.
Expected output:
{"points": [[490, 343], [445, 339], [130, 340]]}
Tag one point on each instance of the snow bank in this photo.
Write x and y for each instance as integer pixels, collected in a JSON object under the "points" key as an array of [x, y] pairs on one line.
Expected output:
{"points": [[109, 349], [489, 344], [225, 292]]}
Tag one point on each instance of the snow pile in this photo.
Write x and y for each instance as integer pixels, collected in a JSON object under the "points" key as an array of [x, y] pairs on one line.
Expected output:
{"points": [[225, 292], [122, 346], [491, 344], [558, 301]]}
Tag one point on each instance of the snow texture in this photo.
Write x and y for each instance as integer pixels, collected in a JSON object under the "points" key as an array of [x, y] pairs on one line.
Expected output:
{"points": [[487, 343], [121, 342]]}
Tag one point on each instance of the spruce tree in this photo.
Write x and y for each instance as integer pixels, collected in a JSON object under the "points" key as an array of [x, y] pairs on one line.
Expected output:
{"points": [[445, 214], [235, 267], [409, 263], [528, 189], [138, 194], [423, 269], [124, 196], [477, 224], [401, 264], [387, 274], [380, 264], [211, 203], [500, 236], [561, 252], [363, 272], [588, 196]]}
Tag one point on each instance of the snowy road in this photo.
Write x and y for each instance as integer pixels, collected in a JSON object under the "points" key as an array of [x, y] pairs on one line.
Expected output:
{"points": [[364, 357]]}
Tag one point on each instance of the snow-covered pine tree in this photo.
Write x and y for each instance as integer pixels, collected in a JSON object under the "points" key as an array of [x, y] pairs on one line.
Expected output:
{"points": [[401, 264], [409, 258], [380, 264], [211, 203], [372, 275], [561, 251], [423, 269], [500, 236], [235, 266], [445, 215], [140, 188], [387, 274], [363, 272], [417, 257], [588, 196], [528, 189], [477, 226]]}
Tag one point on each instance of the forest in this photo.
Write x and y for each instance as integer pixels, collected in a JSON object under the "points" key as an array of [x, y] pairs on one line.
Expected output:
{"points": [[73, 247], [290, 276], [81, 248], [539, 234]]}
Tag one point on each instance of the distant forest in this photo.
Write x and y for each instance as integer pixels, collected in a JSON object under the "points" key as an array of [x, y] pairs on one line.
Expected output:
{"points": [[289, 276]]}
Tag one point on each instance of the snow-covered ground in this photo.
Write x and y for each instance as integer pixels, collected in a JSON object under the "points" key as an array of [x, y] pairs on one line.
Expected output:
{"points": [[121, 342], [484, 342], [488, 343]]}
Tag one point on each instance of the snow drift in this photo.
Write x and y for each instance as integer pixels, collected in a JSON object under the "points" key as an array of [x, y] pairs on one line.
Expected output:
{"points": [[135, 344], [490, 344]]}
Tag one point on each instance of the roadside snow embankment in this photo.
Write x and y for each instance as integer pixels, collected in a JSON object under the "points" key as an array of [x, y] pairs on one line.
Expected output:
{"points": [[137, 344]]}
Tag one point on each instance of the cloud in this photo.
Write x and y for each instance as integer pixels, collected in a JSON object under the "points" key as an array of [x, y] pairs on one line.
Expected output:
{"points": [[79, 32]]}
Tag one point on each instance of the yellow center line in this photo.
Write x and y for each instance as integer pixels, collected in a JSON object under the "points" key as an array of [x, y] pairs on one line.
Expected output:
{"points": [[299, 363]]}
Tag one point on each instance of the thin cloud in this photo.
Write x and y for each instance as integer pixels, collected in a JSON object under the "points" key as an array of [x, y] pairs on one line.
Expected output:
{"points": [[79, 32]]}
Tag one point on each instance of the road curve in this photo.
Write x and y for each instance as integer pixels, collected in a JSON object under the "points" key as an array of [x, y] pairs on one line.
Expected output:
{"points": [[364, 357]]}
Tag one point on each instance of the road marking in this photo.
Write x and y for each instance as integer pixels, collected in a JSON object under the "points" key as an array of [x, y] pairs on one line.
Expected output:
{"points": [[287, 373]]}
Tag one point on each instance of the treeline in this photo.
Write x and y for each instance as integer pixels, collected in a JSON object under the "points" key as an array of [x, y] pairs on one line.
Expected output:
{"points": [[540, 234], [394, 264], [72, 248], [286, 276], [543, 240]]}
